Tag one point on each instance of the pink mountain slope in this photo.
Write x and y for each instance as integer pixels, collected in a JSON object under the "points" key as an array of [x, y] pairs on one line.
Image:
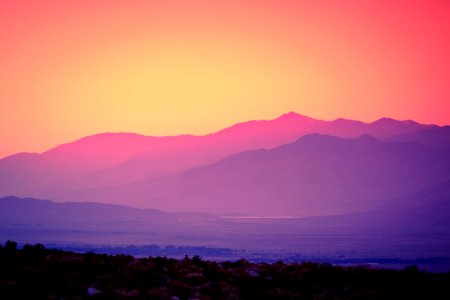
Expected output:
{"points": [[315, 175], [118, 158]]}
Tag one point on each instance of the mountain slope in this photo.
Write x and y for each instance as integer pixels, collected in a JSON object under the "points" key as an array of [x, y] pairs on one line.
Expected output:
{"points": [[316, 175], [436, 136], [36, 211], [117, 158]]}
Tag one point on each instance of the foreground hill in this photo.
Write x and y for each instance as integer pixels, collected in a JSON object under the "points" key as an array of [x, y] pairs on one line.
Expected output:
{"points": [[37, 273], [117, 158]]}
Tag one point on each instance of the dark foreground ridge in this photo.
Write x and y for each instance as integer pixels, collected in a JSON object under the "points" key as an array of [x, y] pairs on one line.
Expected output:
{"points": [[34, 272]]}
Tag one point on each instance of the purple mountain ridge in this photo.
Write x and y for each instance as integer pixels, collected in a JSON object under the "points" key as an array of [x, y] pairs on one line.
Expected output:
{"points": [[316, 175], [116, 159], [292, 184]]}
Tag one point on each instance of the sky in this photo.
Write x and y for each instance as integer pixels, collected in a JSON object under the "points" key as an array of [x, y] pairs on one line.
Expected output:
{"points": [[74, 68]]}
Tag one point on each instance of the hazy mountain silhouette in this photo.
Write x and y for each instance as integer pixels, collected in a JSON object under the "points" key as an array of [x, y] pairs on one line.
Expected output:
{"points": [[36, 211], [119, 158], [425, 211], [436, 137], [412, 226], [316, 175]]}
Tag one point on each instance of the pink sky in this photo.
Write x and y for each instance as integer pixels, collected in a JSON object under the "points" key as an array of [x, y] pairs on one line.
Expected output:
{"points": [[74, 68]]}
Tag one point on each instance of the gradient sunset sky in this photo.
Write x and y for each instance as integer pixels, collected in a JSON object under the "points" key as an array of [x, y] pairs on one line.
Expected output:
{"points": [[74, 68]]}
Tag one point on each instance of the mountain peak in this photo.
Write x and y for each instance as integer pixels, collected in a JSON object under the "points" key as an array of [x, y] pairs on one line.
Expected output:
{"points": [[385, 120], [347, 121], [389, 122], [293, 115], [290, 114]]}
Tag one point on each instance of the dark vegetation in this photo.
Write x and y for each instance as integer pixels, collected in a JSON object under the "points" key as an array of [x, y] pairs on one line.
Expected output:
{"points": [[34, 272]]}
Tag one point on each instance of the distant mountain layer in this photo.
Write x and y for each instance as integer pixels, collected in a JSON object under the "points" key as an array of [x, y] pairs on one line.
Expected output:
{"points": [[428, 208], [419, 227], [316, 175], [113, 159], [36, 211], [435, 136]]}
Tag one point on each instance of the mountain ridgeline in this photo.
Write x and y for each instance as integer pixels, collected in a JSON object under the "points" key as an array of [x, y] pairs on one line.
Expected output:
{"points": [[342, 189], [292, 165]]}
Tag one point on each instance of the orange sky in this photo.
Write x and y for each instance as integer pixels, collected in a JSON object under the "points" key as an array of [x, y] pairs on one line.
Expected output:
{"points": [[74, 68]]}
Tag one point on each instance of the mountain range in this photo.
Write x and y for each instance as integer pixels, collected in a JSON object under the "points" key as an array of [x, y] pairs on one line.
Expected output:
{"points": [[294, 184], [292, 165]]}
